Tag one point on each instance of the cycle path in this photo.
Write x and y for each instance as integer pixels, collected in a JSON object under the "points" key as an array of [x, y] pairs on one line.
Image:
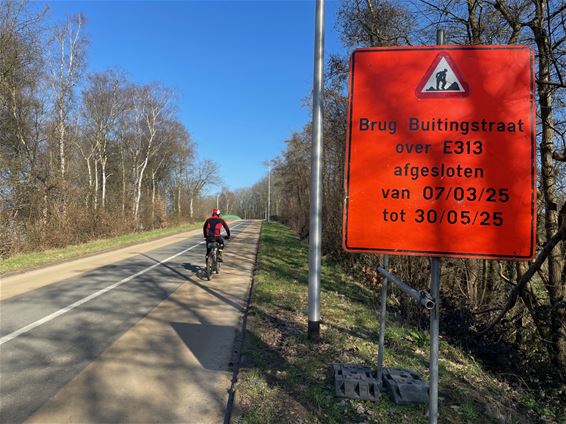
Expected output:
{"points": [[173, 365]]}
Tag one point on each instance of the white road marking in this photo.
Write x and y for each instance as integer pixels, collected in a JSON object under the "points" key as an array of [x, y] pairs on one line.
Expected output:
{"points": [[78, 303]]}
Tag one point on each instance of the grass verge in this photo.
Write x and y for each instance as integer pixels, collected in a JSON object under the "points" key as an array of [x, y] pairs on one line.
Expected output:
{"points": [[36, 259], [284, 378], [227, 217]]}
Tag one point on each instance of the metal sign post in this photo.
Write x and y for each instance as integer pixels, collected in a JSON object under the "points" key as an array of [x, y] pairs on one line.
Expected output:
{"points": [[434, 317], [382, 323], [434, 336], [316, 192]]}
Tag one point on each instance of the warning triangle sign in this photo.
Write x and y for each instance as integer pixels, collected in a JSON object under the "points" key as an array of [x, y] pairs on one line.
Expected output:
{"points": [[442, 79]]}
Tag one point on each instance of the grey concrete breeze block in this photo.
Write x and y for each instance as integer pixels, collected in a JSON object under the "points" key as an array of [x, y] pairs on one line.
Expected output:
{"points": [[405, 386], [355, 382]]}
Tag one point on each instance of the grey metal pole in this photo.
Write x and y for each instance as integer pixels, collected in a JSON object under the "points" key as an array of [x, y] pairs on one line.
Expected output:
{"points": [[316, 195], [269, 193], [440, 37], [382, 323], [434, 336], [434, 316]]}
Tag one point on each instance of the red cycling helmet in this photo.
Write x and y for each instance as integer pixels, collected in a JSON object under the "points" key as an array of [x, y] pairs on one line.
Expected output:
{"points": [[216, 211]]}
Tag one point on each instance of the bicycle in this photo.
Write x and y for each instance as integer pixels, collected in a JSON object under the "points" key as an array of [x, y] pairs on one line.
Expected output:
{"points": [[212, 264]]}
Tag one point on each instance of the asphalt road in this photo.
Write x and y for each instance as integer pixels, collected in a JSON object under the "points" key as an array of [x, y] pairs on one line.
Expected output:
{"points": [[146, 339]]}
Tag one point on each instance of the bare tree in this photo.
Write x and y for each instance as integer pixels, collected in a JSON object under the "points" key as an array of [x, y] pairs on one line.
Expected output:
{"points": [[181, 162], [148, 109], [176, 148], [294, 176], [545, 20], [63, 156], [67, 62], [199, 177], [103, 105], [26, 182], [374, 23]]}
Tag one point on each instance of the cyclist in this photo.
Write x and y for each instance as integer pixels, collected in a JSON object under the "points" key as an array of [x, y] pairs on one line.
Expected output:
{"points": [[211, 231]]}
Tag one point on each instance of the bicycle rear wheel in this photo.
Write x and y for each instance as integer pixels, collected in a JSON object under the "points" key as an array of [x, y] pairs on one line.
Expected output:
{"points": [[216, 263], [208, 268]]}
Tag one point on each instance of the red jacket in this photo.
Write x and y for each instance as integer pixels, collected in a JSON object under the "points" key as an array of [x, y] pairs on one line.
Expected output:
{"points": [[213, 226]]}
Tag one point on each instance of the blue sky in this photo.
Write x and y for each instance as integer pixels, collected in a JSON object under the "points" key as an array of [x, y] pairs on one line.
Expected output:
{"points": [[242, 69]]}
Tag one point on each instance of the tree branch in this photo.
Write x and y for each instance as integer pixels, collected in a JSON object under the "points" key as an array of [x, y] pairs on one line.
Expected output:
{"points": [[535, 266], [553, 83]]}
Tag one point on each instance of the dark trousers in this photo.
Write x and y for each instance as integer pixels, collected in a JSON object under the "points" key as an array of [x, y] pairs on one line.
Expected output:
{"points": [[218, 239]]}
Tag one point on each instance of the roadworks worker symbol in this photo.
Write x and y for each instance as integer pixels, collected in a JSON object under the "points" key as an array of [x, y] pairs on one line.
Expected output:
{"points": [[442, 79]]}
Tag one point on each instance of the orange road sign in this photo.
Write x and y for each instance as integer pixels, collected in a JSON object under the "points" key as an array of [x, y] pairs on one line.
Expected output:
{"points": [[440, 156]]}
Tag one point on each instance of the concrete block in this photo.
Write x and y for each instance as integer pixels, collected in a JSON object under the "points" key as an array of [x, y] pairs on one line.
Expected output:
{"points": [[405, 386], [355, 382]]}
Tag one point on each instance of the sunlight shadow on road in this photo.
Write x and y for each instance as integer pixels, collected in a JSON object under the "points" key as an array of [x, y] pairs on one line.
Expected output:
{"points": [[210, 344], [200, 285]]}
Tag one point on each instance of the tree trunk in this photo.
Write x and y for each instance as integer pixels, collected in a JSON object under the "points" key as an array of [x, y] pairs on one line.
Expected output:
{"points": [[123, 165], [549, 172], [474, 22], [95, 185], [104, 180], [138, 189], [179, 202], [61, 143], [89, 195], [44, 209], [152, 199], [473, 278]]}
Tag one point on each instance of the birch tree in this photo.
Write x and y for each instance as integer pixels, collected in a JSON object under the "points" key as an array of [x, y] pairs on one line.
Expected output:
{"points": [[176, 148], [67, 62], [102, 107], [150, 108]]}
